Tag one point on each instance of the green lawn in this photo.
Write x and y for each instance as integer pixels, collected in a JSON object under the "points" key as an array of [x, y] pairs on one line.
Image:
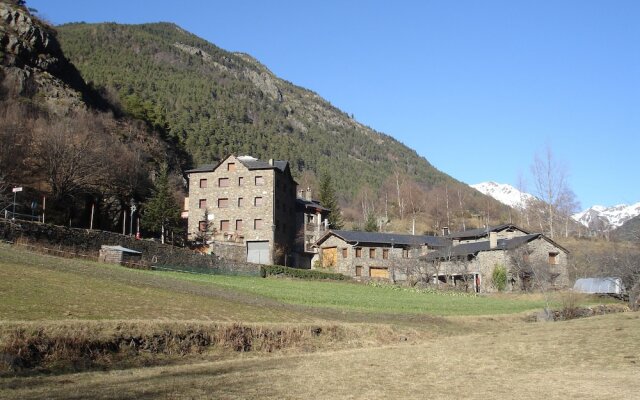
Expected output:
{"points": [[35, 286], [357, 297]]}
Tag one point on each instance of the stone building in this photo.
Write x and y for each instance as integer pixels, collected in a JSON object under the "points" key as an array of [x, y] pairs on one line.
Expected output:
{"points": [[311, 225], [464, 259], [531, 260], [246, 203], [374, 255]]}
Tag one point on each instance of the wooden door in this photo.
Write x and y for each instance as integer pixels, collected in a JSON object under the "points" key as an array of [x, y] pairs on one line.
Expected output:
{"points": [[329, 257], [378, 273]]}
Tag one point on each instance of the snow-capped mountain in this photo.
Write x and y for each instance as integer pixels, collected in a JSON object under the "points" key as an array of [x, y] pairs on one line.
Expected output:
{"points": [[504, 193], [607, 218], [597, 218]]}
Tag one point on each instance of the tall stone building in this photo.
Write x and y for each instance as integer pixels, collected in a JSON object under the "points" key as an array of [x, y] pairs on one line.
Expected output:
{"points": [[245, 203]]}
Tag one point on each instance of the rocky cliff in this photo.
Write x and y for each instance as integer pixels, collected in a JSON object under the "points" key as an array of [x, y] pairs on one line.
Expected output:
{"points": [[32, 63]]}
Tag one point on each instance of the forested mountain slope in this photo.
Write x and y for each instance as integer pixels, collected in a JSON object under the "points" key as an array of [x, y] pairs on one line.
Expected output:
{"points": [[215, 102]]}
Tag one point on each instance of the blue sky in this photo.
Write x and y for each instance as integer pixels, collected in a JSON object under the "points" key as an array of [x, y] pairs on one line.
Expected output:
{"points": [[476, 87]]}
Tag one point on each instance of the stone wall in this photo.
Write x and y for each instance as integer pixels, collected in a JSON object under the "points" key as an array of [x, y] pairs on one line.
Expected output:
{"points": [[89, 242]]}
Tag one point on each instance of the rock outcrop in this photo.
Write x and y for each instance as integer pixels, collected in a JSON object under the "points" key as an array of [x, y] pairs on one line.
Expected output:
{"points": [[33, 64]]}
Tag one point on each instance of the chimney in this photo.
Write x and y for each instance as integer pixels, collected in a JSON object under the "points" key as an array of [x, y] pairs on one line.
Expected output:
{"points": [[445, 231], [271, 161], [493, 240], [307, 195]]}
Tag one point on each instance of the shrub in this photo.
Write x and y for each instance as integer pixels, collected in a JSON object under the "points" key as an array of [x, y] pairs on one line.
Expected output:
{"points": [[267, 270], [499, 277]]}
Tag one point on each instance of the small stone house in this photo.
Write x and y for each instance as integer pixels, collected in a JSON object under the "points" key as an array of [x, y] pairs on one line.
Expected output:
{"points": [[119, 255], [374, 255], [531, 260]]}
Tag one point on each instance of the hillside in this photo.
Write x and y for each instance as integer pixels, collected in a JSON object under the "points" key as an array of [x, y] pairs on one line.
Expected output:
{"points": [[213, 102], [60, 138], [630, 230]]}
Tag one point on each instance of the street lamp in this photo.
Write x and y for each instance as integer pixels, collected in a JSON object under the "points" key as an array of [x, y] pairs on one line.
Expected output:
{"points": [[15, 191]]}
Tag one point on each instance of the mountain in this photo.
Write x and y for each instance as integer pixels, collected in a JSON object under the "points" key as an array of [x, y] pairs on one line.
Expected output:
{"points": [[212, 102], [630, 230], [504, 193], [62, 139], [601, 218], [33, 64]]}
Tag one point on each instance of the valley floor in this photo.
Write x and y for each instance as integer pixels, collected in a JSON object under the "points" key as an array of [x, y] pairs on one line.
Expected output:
{"points": [[591, 358], [376, 352]]}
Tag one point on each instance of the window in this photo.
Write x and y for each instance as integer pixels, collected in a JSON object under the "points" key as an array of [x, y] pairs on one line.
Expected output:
{"points": [[231, 167], [238, 224], [259, 180], [358, 252], [224, 225], [553, 258], [385, 254], [257, 224], [202, 203], [203, 183], [405, 253], [240, 180], [345, 252], [240, 202], [202, 226], [223, 203], [223, 182], [358, 270], [257, 201], [372, 253]]}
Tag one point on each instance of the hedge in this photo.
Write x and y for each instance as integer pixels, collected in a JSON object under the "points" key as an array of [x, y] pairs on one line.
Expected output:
{"points": [[268, 270]]}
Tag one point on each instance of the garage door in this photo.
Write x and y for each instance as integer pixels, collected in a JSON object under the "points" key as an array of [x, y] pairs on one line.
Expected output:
{"points": [[258, 252], [379, 273]]}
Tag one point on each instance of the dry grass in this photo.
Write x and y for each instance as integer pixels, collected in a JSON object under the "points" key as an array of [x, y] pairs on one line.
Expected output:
{"points": [[589, 358], [191, 332]]}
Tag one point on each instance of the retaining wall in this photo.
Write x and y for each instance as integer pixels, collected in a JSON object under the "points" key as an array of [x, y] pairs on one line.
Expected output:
{"points": [[89, 242]]}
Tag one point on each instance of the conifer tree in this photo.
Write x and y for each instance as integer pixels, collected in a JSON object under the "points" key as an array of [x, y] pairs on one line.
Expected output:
{"points": [[161, 211], [328, 200], [371, 225]]}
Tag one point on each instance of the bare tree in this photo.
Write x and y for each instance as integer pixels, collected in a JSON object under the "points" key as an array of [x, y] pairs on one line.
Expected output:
{"points": [[550, 177], [399, 183]]}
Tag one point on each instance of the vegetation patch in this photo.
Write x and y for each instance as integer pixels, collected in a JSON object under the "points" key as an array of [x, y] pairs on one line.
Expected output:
{"points": [[55, 348], [279, 270]]}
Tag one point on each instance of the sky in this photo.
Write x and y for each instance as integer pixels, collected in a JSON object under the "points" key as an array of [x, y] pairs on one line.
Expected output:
{"points": [[476, 87]]}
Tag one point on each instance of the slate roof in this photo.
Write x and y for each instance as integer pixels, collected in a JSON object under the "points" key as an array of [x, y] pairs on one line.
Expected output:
{"points": [[310, 204], [203, 168], [250, 162], [120, 248], [465, 249], [395, 239], [480, 232], [253, 163]]}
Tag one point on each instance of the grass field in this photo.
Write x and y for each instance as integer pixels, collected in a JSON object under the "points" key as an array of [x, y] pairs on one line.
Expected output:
{"points": [[376, 342]]}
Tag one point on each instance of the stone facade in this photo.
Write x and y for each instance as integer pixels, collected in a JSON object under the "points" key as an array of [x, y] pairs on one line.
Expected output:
{"points": [[311, 225], [370, 260], [246, 201], [468, 266]]}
